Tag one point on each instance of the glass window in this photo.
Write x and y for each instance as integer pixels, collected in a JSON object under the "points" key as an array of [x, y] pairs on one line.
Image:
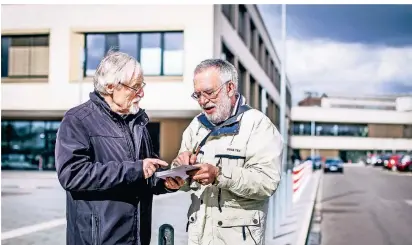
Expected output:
{"points": [[129, 44], [301, 128], [227, 11], [241, 22], [227, 55], [331, 129], [112, 41], [242, 78], [5, 44], [160, 53], [173, 54], [25, 56], [28, 144], [95, 51], [151, 53]]}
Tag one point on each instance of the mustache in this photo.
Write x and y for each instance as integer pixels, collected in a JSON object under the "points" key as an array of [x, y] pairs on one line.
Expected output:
{"points": [[208, 105]]}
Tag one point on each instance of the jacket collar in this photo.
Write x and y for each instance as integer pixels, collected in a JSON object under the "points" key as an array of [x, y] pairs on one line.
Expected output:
{"points": [[101, 103], [234, 116]]}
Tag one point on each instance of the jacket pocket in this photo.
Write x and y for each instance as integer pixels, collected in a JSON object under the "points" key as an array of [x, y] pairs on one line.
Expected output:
{"points": [[242, 227], [95, 230], [228, 162]]}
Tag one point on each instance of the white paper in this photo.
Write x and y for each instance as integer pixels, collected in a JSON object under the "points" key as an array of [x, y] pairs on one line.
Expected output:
{"points": [[176, 172]]}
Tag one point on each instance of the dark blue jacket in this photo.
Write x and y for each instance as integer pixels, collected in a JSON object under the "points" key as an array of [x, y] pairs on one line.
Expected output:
{"points": [[99, 163]]}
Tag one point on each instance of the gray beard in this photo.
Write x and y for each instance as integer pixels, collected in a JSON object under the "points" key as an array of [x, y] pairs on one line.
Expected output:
{"points": [[222, 113]]}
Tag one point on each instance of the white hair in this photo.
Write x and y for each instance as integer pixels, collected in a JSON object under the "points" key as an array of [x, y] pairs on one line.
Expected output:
{"points": [[115, 68], [226, 70]]}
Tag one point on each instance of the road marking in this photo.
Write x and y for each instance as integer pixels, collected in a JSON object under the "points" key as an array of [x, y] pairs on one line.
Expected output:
{"points": [[409, 202], [32, 228]]}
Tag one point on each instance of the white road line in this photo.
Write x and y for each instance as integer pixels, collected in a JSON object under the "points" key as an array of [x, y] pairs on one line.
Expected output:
{"points": [[32, 228], [409, 202]]}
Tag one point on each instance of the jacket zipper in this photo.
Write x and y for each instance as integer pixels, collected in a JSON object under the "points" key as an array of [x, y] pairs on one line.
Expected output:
{"points": [[95, 230], [129, 137]]}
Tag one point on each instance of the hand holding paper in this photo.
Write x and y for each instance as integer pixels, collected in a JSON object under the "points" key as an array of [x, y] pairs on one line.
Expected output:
{"points": [[177, 172]]}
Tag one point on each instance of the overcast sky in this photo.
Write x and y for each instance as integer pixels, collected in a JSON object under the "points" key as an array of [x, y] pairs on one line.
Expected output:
{"points": [[345, 49]]}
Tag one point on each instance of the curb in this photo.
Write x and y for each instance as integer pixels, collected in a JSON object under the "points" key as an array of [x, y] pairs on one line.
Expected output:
{"points": [[305, 228]]}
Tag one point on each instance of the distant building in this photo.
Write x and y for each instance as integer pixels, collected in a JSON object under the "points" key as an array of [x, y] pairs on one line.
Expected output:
{"points": [[350, 127], [43, 46]]}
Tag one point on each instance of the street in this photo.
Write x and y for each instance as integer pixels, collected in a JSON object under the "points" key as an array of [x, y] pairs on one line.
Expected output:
{"points": [[366, 205]]}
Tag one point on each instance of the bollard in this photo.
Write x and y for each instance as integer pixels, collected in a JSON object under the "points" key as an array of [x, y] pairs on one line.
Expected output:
{"points": [[166, 235]]}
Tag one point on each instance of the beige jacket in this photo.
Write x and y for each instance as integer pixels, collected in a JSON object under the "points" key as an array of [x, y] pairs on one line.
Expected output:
{"points": [[233, 212]]}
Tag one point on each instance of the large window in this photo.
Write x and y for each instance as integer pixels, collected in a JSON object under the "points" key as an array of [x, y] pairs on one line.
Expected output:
{"points": [[28, 144], [331, 129], [25, 56], [160, 53]]}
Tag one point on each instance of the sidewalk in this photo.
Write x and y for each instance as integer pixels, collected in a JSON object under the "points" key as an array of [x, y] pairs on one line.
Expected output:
{"points": [[294, 229]]}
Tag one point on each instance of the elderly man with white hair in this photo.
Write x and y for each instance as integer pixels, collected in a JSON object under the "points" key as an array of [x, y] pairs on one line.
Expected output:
{"points": [[105, 160], [238, 151]]}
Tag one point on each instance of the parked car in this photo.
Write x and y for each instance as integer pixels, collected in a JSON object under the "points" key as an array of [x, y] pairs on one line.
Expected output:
{"points": [[316, 162], [393, 161], [333, 165], [404, 163], [383, 160]]}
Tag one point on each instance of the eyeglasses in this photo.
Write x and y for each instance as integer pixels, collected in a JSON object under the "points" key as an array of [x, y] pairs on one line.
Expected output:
{"points": [[136, 90], [209, 95]]}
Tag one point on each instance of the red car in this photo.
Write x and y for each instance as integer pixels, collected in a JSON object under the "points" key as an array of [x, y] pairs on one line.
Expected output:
{"points": [[393, 161], [405, 163]]}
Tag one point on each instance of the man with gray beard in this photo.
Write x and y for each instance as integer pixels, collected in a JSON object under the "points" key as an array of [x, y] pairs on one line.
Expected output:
{"points": [[238, 151]]}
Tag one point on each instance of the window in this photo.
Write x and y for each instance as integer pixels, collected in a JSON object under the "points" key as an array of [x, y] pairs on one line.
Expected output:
{"points": [[160, 53], [227, 11], [173, 54], [25, 56], [241, 22], [227, 55], [252, 42], [277, 114], [26, 144], [242, 79], [288, 97], [276, 79], [151, 53], [331, 129], [252, 92]]}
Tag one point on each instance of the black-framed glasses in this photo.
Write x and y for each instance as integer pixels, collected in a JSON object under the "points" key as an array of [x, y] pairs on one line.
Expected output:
{"points": [[136, 90], [209, 95]]}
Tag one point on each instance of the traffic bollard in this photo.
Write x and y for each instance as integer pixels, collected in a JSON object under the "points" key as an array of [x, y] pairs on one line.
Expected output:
{"points": [[166, 235]]}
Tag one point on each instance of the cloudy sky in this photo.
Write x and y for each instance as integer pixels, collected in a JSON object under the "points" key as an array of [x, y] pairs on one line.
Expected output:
{"points": [[345, 49]]}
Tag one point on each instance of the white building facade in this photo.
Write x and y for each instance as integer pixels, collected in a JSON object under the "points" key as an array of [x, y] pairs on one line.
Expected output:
{"points": [[50, 53], [352, 127]]}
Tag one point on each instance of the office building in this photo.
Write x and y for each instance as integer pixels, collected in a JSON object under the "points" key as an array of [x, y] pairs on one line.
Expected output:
{"points": [[50, 53], [350, 127]]}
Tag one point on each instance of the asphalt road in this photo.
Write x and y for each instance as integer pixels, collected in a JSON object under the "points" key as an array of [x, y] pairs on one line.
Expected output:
{"points": [[366, 205]]}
